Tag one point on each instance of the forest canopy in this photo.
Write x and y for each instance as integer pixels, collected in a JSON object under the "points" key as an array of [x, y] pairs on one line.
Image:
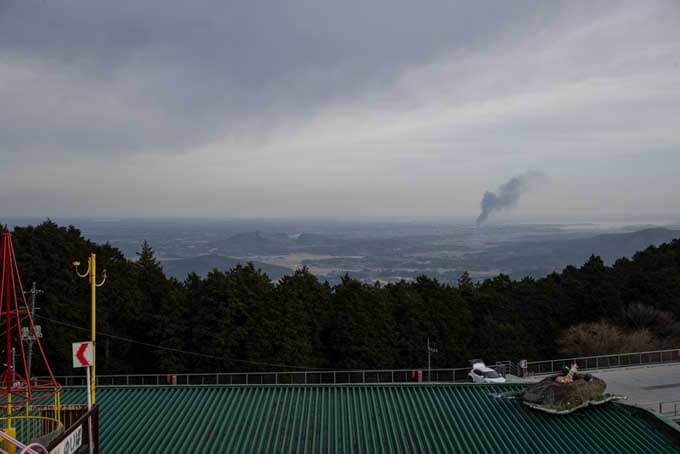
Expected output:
{"points": [[240, 320]]}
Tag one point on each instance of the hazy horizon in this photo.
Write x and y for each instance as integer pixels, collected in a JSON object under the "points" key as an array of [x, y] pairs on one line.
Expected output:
{"points": [[432, 220]]}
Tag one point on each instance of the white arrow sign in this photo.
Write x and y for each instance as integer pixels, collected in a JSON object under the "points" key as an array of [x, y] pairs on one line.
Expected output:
{"points": [[82, 354], [82, 357]]}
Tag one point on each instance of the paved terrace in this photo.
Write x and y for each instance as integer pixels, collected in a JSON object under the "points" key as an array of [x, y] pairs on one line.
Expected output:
{"points": [[646, 386]]}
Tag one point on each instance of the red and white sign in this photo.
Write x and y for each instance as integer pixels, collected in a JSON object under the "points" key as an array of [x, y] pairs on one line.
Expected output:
{"points": [[82, 354]]}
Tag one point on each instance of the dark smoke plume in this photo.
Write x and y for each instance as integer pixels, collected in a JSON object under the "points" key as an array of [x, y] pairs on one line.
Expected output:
{"points": [[507, 195]]}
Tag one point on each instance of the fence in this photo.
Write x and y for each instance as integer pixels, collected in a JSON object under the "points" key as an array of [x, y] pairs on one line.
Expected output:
{"points": [[605, 361], [77, 435], [28, 415], [296, 377], [452, 375], [670, 409]]}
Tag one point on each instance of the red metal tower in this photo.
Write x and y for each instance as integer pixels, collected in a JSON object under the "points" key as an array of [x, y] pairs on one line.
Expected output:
{"points": [[17, 389]]}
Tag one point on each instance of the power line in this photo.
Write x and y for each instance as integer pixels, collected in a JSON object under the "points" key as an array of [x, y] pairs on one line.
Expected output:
{"points": [[184, 352], [337, 348], [344, 348]]}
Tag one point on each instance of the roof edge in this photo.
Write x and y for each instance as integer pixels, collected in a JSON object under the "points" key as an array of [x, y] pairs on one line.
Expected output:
{"points": [[659, 421]]}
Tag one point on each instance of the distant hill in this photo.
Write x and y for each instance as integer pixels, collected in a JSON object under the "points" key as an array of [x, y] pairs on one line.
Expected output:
{"points": [[260, 243], [314, 239], [250, 241], [389, 258], [203, 264], [541, 257], [616, 245]]}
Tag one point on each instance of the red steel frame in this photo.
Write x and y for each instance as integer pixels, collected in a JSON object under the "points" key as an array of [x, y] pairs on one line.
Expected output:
{"points": [[11, 306]]}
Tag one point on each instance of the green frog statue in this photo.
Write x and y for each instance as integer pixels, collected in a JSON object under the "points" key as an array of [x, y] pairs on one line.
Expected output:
{"points": [[563, 393]]}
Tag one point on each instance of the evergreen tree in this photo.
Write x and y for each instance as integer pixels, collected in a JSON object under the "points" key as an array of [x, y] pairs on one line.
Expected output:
{"points": [[297, 316], [239, 319], [158, 313]]}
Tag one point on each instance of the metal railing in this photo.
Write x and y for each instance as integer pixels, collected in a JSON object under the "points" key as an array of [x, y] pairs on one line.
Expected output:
{"points": [[670, 409], [31, 448], [506, 367], [605, 361], [456, 375], [450, 375], [87, 425]]}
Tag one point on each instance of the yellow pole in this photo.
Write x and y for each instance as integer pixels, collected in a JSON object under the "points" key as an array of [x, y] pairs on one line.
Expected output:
{"points": [[58, 396], [9, 430], [93, 297], [91, 273]]}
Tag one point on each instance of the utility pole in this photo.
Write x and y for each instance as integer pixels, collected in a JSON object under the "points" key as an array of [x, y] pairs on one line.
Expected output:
{"points": [[430, 350], [92, 275], [28, 334]]}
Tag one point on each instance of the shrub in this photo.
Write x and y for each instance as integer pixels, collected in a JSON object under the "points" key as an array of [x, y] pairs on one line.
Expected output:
{"points": [[602, 338]]}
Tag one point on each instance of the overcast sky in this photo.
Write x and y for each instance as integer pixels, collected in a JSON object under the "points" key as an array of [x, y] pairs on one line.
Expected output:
{"points": [[346, 108]]}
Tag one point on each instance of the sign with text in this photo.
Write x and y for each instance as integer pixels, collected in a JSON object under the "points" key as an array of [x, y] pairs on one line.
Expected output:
{"points": [[70, 444], [82, 354]]}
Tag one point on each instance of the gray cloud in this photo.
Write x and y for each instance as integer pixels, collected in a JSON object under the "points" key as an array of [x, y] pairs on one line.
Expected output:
{"points": [[346, 108], [164, 75]]}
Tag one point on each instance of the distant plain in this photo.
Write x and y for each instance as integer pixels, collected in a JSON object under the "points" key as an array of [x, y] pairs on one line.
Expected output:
{"points": [[370, 251]]}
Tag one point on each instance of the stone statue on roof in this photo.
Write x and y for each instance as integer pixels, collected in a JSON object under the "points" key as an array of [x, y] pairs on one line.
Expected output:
{"points": [[563, 393]]}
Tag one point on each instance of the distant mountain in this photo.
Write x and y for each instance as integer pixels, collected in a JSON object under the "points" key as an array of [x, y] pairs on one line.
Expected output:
{"points": [[256, 243], [314, 239], [616, 245], [203, 264], [537, 258], [259, 243], [250, 239], [371, 251]]}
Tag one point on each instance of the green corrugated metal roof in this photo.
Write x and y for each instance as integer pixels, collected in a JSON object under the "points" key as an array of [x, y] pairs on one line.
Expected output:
{"points": [[360, 418]]}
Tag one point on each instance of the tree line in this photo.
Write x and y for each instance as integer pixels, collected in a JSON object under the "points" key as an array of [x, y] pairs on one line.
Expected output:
{"points": [[240, 320]]}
